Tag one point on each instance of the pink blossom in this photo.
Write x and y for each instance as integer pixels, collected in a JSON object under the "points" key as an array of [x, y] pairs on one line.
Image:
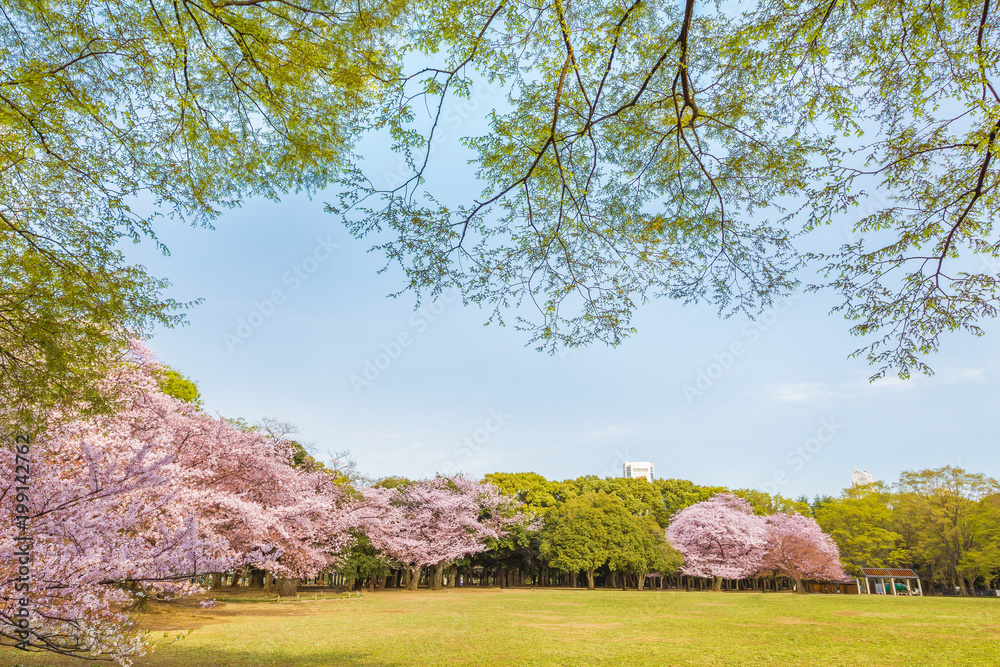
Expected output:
{"points": [[797, 547], [719, 537], [143, 501]]}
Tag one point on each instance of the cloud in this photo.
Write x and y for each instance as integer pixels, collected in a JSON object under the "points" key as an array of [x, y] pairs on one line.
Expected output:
{"points": [[802, 392], [945, 376], [815, 392]]}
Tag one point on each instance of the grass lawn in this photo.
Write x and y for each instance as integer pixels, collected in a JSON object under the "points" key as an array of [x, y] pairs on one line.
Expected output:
{"points": [[523, 628]]}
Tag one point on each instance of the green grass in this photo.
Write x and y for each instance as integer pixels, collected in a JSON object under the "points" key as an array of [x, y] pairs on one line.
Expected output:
{"points": [[524, 628]]}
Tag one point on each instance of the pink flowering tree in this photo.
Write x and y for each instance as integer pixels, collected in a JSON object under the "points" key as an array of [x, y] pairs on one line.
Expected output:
{"points": [[434, 521], [798, 548], [140, 503], [720, 538]]}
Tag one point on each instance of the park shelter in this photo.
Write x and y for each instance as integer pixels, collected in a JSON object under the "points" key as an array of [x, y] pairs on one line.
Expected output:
{"points": [[877, 578]]}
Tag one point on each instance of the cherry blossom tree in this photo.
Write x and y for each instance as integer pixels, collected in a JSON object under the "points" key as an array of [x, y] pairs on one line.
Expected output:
{"points": [[720, 538], [141, 502], [434, 521], [798, 548]]}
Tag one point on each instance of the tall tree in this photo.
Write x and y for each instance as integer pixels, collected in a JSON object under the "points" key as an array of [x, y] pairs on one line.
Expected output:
{"points": [[864, 527], [435, 521], [720, 538], [952, 525], [595, 530], [582, 534], [645, 550], [798, 548], [135, 503]]}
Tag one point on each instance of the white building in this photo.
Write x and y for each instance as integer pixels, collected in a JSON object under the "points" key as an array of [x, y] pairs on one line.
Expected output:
{"points": [[861, 477], [636, 469]]}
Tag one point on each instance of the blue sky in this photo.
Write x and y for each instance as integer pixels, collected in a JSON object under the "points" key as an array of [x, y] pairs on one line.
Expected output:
{"points": [[789, 412]]}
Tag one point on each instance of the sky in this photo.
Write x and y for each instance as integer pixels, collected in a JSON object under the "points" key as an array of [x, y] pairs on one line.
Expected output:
{"points": [[296, 324]]}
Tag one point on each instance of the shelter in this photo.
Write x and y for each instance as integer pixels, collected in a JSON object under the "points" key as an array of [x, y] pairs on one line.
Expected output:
{"points": [[876, 578]]}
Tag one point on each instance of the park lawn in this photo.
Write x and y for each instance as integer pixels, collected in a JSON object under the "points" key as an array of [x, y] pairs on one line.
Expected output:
{"points": [[578, 628]]}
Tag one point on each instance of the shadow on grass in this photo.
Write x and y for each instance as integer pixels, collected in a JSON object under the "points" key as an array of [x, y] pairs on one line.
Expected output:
{"points": [[246, 657]]}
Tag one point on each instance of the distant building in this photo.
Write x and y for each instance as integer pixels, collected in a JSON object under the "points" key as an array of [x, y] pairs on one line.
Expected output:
{"points": [[861, 477], [636, 469]]}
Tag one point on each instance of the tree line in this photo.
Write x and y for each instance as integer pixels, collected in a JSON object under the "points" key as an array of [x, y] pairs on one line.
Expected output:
{"points": [[157, 499]]}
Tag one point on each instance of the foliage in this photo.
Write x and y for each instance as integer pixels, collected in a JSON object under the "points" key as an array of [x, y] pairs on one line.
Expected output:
{"points": [[363, 561], [719, 538], [597, 529], [67, 317], [115, 114], [173, 384], [435, 521], [646, 149], [531, 489], [952, 525], [135, 503], [862, 524], [798, 548]]}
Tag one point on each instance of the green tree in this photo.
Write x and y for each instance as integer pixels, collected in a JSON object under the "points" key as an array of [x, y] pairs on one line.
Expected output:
{"points": [[173, 383], [677, 494], [639, 496], [66, 319], [364, 563], [114, 114], [952, 525], [580, 534], [650, 149], [596, 529], [863, 524], [644, 550], [532, 490]]}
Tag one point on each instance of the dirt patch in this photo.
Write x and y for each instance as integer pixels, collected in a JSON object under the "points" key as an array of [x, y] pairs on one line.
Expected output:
{"points": [[858, 613], [794, 620], [548, 617], [173, 616]]}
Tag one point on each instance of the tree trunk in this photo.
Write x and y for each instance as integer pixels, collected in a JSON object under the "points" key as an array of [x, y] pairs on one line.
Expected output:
{"points": [[287, 586], [452, 576], [572, 579], [256, 578], [590, 579], [216, 580], [438, 582], [640, 580], [414, 578], [268, 582], [799, 588], [717, 584], [235, 583]]}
